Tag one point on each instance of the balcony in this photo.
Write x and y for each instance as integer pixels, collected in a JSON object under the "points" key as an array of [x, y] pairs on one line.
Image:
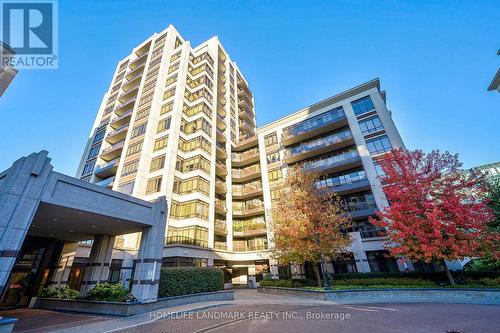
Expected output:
{"points": [[220, 187], [127, 95], [221, 137], [135, 72], [133, 79], [245, 94], [108, 182], [220, 227], [220, 246], [245, 158], [241, 211], [118, 134], [249, 230], [221, 123], [247, 126], [221, 110], [314, 126], [107, 169], [112, 151], [122, 120], [220, 169], [182, 240], [361, 209], [319, 146], [245, 114], [246, 142], [220, 207], [245, 106], [221, 151], [238, 248], [335, 163], [247, 191], [138, 61], [243, 175]]}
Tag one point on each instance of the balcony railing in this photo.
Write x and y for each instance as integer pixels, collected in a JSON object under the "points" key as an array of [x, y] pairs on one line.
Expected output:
{"points": [[329, 161], [108, 182], [316, 144], [123, 116], [247, 189], [313, 123], [247, 210], [185, 241], [220, 226], [106, 166], [220, 206], [220, 245], [249, 248], [250, 171], [354, 207], [240, 157]]}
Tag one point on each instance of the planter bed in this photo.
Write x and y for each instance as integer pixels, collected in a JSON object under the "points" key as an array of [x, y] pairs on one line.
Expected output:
{"points": [[393, 295], [132, 308]]}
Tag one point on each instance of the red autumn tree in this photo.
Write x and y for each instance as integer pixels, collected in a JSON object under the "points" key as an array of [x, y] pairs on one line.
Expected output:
{"points": [[437, 212]]}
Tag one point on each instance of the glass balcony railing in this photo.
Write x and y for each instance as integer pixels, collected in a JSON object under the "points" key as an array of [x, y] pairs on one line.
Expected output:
{"points": [[240, 157], [238, 248], [220, 205], [185, 241], [101, 167], [220, 226], [120, 129], [242, 209], [313, 123], [113, 147], [319, 143], [108, 182], [324, 163], [247, 189], [242, 173], [220, 245]]}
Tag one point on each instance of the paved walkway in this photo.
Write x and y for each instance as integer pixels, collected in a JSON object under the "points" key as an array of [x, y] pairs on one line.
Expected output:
{"points": [[285, 314]]}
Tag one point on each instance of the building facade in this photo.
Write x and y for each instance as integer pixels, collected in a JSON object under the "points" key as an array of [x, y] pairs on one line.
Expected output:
{"points": [[7, 72], [495, 83], [179, 121]]}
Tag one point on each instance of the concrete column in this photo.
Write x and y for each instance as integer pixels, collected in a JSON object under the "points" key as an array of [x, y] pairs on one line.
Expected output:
{"points": [[97, 270], [21, 187], [64, 265], [359, 253], [146, 277], [273, 269]]}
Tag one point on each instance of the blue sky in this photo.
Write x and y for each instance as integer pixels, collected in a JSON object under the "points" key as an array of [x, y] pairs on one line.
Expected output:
{"points": [[434, 58]]}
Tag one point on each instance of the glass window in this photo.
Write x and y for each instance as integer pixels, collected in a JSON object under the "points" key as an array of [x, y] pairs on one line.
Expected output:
{"points": [[275, 175], [379, 145], [154, 185], [126, 188], [94, 151], [160, 143], [99, 135], [157, 163], [163, 125], [138, 130], [273, 157], [270, 139], [167, 108], [130, 168], [88, 168], [362, 105], [134, 149], [371, 125]]}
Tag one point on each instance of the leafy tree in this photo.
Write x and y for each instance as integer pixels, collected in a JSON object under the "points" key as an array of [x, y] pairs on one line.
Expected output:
{"points": [[309, 222], [437, 212]]}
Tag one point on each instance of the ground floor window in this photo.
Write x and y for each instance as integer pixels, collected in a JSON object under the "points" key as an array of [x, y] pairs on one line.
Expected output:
{"points": [[184, 262], [114, 270], [344, 264], [379, 261]]}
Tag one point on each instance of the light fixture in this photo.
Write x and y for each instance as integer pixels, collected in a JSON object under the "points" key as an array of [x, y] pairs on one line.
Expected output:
{"points": [[54, 220]]}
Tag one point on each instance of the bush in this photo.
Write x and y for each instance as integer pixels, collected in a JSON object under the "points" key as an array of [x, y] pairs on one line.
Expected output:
{"points": [[62, 292], [189, 280], [294, 283], [436, 277], [380, 282], [110, 292]]}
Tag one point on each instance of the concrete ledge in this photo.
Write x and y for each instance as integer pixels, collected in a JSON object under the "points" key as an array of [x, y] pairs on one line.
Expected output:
{"points": [[399, 295], [129, 309]]}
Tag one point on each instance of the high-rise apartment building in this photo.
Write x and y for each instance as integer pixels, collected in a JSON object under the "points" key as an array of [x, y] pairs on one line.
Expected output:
{"points": [[7, 72], [179, 121]]}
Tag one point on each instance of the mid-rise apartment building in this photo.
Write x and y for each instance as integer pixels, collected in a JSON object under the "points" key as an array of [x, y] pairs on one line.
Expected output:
{"points": [[7, 72], [179, 121]]}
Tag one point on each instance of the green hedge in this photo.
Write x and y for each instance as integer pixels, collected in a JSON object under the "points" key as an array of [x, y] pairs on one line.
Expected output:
{"points": [[189, 280], [407, 282], [436, 277], [62, 292], [110, 292]]}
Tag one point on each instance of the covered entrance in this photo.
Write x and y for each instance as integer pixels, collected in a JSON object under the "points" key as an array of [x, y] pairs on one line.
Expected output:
{"points": [[42, 212]]}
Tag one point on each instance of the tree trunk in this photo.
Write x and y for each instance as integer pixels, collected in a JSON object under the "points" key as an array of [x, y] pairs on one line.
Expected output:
{"points": [[448, 274], [316, 272]]}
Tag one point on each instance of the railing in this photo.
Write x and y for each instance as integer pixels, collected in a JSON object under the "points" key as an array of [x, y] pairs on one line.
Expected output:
{"points": [[106, 182], [220, 246], [359, 206], [239, 157], [109, 164], [115, 146], [349, 178], [118, 130], [185, 240], [247, 189], [220, 226], [123, 115], [326, 162], [240, 173], [248, 209], [220, 184], [250, 248], [249, 227], [313, 123], [373, 233], [220, 204], [319, 143]]}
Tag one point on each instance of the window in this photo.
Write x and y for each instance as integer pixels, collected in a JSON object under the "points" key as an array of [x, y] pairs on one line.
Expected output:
{"points": [[99, 135], [169, 93], [270, 139], [167, 108], [130, 168], [114, 270], [134, 149], [275, 175], [198, 142], [88, 168], [379, 145], [362, 105], [194, 110], [178, 42], [154, 185], [379, 170], [273, 157], [138, 130], [276, 194], [94, 151], [371, 125], [189, 209], [157, 163], [160, 143], [314, 122], [198, 124], [193, 235], [194, 163], [195, 184], [171, 80], [163, 125], [126, 188], [176, 56], [142, 113]]}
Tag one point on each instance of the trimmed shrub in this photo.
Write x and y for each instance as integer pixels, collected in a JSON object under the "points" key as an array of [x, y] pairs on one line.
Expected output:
{"points": [[436, 277], [110, 292], [389, 282], [62, 292], [294, 283], [176, 281]]}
